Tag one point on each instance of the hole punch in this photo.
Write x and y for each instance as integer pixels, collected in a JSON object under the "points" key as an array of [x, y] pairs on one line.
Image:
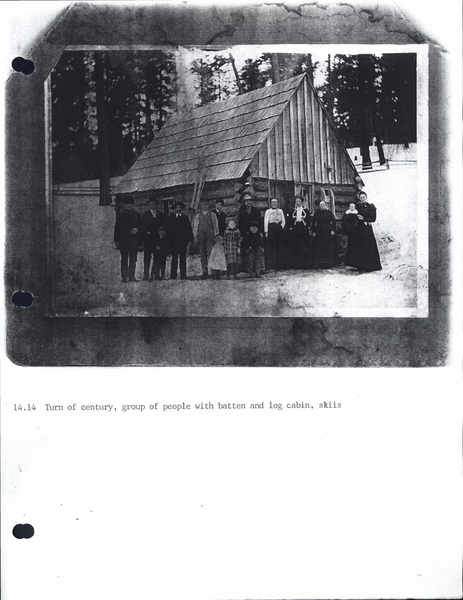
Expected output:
{"points": [[23, 531], [22, 299], [23, 65]]}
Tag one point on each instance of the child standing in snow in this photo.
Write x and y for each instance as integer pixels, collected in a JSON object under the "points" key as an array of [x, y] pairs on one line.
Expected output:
{"points": [[254, 250], [217, 261]]}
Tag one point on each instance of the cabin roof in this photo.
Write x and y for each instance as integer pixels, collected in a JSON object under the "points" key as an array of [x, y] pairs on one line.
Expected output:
{"points": [[218, 140]]}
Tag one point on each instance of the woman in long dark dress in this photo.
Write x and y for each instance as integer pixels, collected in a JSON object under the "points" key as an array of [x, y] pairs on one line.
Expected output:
{"points": [[350, 226], [324, 248], [298, 223], [367, 254]]}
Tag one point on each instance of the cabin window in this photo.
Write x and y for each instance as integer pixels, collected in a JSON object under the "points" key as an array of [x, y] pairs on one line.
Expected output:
{"points": [[165, 204]]}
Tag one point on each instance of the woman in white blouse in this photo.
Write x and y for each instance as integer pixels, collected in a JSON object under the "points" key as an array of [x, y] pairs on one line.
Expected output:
{"points": [[274, 224]]}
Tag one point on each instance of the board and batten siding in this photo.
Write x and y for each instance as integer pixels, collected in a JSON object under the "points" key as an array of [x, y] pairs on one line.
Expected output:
{"points": [[302, 145]]}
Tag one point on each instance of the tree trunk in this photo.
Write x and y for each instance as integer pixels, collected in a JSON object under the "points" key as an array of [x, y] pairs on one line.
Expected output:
{"points": [[235, 71], [329, 90], [149, 125], [105, 196], [275, 68], [310, 66]]}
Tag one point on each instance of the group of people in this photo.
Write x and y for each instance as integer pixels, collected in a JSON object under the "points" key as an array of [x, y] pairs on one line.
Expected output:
{"points": [[258, 244]]}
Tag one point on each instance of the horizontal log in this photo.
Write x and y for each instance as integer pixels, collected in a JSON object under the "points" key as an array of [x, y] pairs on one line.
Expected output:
{"points": [[337, 190], [214, 195], [261, 196], [261, 205], [230, 201], [238, 187], [231, 211], [261, 185], [216, 189]]}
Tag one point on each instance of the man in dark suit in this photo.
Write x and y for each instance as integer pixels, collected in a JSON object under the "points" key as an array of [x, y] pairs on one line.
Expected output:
{"points": [[127, 237], [152, 220], [221, 218], [180, 235]]}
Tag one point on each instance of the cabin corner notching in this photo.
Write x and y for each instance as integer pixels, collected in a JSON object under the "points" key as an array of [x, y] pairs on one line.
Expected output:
{"points": [[275, 141]]}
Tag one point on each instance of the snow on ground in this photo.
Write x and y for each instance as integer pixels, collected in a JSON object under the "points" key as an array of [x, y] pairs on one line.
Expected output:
{"points": [[399, 290]]}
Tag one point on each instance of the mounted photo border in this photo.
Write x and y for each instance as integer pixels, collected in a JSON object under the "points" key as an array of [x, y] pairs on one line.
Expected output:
{"points": [[35, 339]]}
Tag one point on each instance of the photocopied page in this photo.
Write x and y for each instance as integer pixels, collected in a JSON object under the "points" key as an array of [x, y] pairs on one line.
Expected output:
{"points": [[231, 360]]}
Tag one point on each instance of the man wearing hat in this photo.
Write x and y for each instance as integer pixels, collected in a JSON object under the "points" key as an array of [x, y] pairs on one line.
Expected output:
{"points": [[127, 237], [180, 235], [221, 217], [152, 220]]}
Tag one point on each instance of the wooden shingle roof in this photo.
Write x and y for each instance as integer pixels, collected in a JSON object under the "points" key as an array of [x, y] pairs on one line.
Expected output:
{"points": [[220, 138]]}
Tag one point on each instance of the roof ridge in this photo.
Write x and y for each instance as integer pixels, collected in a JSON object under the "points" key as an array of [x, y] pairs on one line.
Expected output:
{"points": [[248, 97]]}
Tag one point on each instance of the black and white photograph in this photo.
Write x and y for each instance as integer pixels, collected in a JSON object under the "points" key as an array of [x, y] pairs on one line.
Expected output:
{"points": [[238, 181], [195, 190]]}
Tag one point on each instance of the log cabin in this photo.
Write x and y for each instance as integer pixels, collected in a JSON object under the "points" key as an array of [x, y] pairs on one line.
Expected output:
{"points": [[276, 141]]}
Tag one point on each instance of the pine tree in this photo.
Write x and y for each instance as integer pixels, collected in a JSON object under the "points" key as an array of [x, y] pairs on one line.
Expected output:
{"points": [[136, 92], [73, 146], [372, 98], [253, 76], [102, 128], [213, 79]]}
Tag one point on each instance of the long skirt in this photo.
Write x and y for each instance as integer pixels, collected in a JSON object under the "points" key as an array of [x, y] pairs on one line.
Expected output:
{"points": [[324, 250], [274, 246], [362, 250], [300, 247]]}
